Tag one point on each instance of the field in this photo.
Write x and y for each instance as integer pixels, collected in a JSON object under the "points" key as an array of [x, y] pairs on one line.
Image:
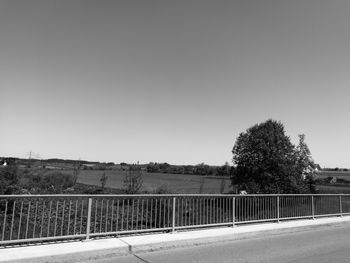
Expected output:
{"points": [[339, 175], [334, 189], [175, 183], [342, 186]]}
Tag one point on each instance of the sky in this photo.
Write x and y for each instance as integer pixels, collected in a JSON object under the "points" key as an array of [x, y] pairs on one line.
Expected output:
{"points": [[171, 81]]}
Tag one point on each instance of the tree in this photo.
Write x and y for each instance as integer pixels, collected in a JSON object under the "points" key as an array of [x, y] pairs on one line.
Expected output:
{"points": [[266, 161], [9, 179], [305, 163], [133, 179], [103, 181]]}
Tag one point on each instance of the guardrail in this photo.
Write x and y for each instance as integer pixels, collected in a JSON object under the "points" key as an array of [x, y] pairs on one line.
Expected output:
{"points": [[33, 218]]}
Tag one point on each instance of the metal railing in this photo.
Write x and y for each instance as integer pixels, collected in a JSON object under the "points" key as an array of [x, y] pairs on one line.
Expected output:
{"points": [[33, 218]]}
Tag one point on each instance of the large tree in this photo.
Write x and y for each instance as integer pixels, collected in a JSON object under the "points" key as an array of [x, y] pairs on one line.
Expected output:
{"points": [[267, 162]]}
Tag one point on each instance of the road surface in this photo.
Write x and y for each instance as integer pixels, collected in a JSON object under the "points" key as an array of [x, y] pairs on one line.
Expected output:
{"points": [[323, 245]]}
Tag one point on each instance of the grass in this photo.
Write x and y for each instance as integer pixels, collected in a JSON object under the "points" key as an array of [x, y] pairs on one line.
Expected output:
{"points": [[339, 175], [333, 189], [175, 183]]}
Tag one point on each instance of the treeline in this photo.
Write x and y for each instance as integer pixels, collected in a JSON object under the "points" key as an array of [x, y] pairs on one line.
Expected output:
{"points": [[335, 169], [56, 163], [200, 169]]}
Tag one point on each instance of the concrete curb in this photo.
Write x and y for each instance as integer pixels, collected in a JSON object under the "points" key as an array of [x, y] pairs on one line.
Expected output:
{"points": [[114, 247]]}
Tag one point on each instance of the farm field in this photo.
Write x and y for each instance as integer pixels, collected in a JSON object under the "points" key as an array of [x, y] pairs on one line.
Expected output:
{"points": [[337, 174], [175, 183], [334, 189]]}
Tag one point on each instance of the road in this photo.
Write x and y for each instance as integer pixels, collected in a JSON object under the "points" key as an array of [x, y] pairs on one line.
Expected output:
{"points": [[323, 245]]}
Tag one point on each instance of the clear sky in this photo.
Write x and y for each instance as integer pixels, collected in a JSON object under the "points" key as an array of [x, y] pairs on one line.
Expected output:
{"points": [[172, 81]]}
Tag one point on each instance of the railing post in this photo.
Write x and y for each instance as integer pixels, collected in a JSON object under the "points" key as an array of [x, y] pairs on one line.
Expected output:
{"points": [[278, 209], [88, 219], [174, 211], [340, 206], [233, 211], [313, 207]]}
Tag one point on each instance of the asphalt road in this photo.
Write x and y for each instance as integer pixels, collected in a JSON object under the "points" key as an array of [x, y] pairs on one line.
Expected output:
{"points": [[323, 245]]}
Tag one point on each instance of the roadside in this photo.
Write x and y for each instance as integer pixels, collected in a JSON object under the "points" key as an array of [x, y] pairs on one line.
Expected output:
{"points": [[112, 247]]}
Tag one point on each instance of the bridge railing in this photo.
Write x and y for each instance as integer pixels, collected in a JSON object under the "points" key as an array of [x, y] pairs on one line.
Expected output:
{"points": [[37, 218]]}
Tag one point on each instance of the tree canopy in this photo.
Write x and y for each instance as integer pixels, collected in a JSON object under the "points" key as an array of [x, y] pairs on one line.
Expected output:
{"points": [[267, 162]]}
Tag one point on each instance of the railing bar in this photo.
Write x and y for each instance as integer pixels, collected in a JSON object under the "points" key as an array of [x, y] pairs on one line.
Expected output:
{"points": [[69, 214], [101, 215], [228, 209], [81, 216], [166, 208], [95, 216], [137, 213], [142, 207], [177, 222], [155, 214], [106, 224], [62, 219], [207, 211], [197, 211], [194, 211], [42, 219], [13, 218], [169, 211], [132, 214], [188, 210], [35, 215], [55, 229], [146, 212], [159, 215], [75, 216], [116, 227], [20, 221], [127, 214], [27, 225], [4, 224], [182, 214], [88, 219], [200, 211], [211, 211], [49, 219], [112, 215], [122, 225], [161, 209], [219, 210], [251, 209]]}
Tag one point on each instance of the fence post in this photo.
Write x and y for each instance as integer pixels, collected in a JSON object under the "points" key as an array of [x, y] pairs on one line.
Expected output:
{"points": [[340, 206], [174, 211], [233, 211], [278, 209], [313, 207], [88, 219]]}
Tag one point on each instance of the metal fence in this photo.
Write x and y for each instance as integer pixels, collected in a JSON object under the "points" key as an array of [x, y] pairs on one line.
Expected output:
{"points": [[34, 218]]}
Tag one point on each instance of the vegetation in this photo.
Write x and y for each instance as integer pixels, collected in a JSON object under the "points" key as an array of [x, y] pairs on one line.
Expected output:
{"points": [[9, 179], [133, 180], [103, 181], [267, 162], [199, 169]]}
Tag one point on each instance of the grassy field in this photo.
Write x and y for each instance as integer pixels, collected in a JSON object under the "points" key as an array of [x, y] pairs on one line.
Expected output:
{"points": [[339, 188], [338, 175], [334, 189], [176, 183]]}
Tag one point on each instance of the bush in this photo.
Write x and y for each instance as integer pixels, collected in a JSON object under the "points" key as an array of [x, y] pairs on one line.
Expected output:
{"points": [[9, 179], [53, 183]]}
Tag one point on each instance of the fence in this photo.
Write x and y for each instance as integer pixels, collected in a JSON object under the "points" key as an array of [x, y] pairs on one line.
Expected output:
{"points": [[33, 218]]}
